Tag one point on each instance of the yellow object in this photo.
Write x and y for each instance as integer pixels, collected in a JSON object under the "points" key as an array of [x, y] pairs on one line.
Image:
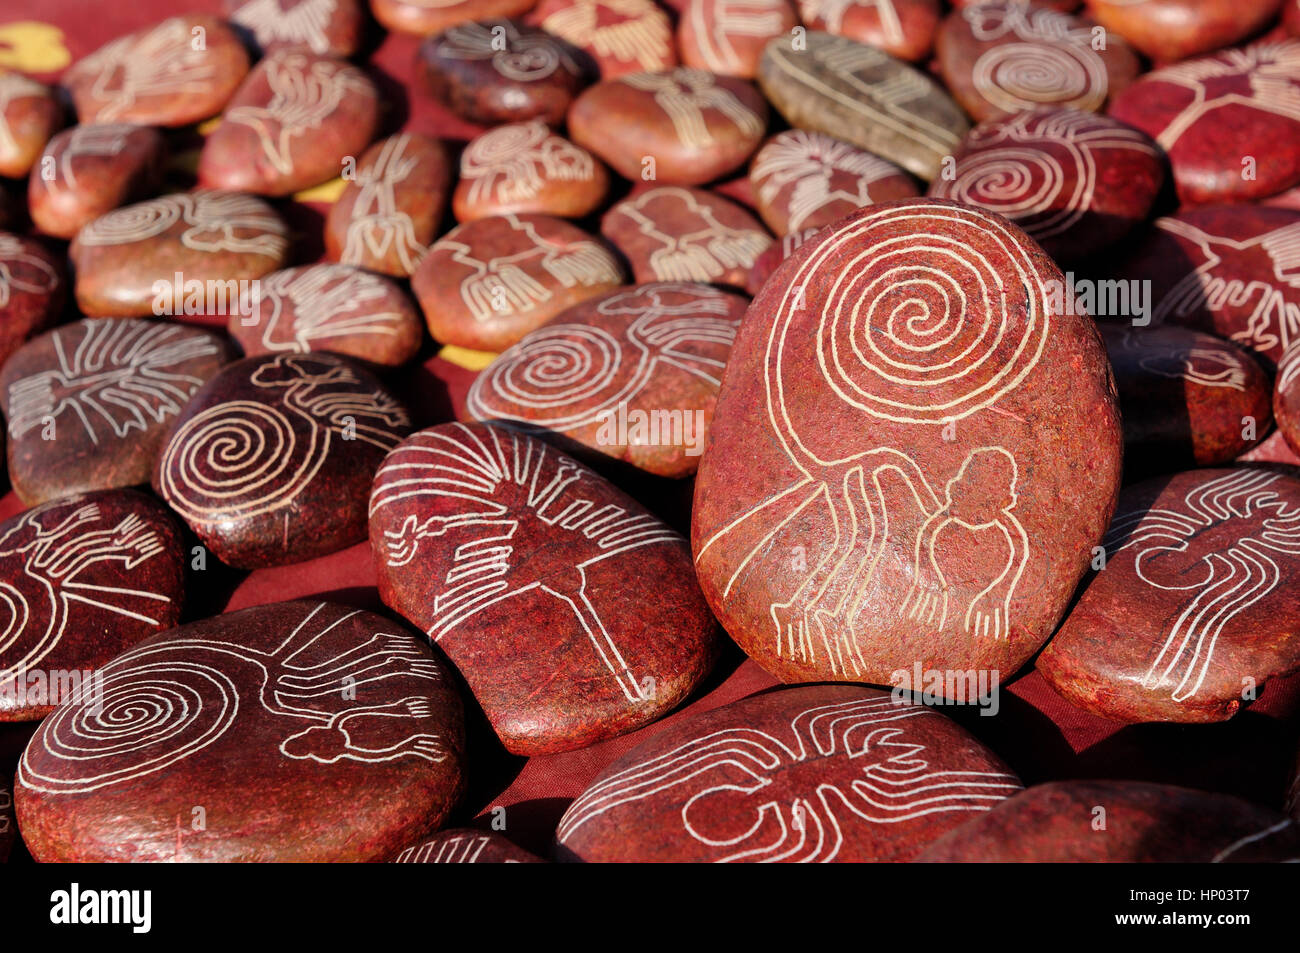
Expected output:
{"points": [[325, 192], [464, 357], [33, 47]]}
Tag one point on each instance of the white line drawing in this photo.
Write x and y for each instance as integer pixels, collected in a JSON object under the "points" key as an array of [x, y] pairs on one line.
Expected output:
{"points": [[217, 222], [327, 301], [689, 97], [704, 254], [642, 36], [508, 489], [1278, 828], [512, 163], [14, 86], [718, 23], [832, 13], [306, 22], [107, 139], [458, 849], [721, 780], [1219, 585], [377, 222], [23, 272], [1207, 366], [521, 57], [164, 703]]}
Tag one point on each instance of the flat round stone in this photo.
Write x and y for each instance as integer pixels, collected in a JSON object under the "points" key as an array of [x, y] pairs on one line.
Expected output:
{"points": [[1226, 121], [127, 261], [487, 283], [805, 180], [554, 607], [525, 167], [423, 17], [171, 74], [29, 115], [390, 209], [864, 96], [84, 578], [291, 732], [32, 291], [1196, 607], [270, 461], [675, 234], [1075, 182], [1145, 823], [727, 36], [814, 773], [632, 375], [1168, 30], [334, 308], [88, 404], [902, 28], [496, 71], [87, 171], [324, 27], [293, 123], [920, 445], [768, 262], [465, 845], [621, 36]]}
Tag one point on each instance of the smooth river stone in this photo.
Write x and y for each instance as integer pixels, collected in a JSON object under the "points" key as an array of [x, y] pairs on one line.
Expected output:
{"points": [[606, 374], [920, 446], [727, 36], [88, 404], [1144, 823], [1228, 122], [864, 96], [902, 28], [205, 236], [1188, 399], [525, 167], [85, 578], [1191, 614], [556, 642], [673, 234], [496, 71], [302, 731], [29, 115], [487, 283], [805, 180], [293, 123], [621, 36], [423, 17], [324, 27], [768, 262], [680, 127], [87, 171], [814, 773], [1168, 30], [270, 461], [465, 845], [389, 212], [334, 308], [171, 74], [1075, 182], [32, 291]]}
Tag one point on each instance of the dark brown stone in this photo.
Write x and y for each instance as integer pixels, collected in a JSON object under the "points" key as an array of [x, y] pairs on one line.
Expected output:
{"points": [[768, 262], [324, 27], [29, 115], [466, 846], [727, 36], [621, 36], [423, 17], [902, 28], [1168, 30], [32, 291], [1286, 397]]}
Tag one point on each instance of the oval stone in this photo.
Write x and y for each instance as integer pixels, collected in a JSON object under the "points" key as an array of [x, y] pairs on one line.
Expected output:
{"points": [[768, 262], [293, 123], [727, 36], [1075, 182], [1198, 598], [88, 404], [919, 447], [215, 238], [804, 180], [270, 461], [525, 167], [487, 283], [632, 375], [87, 171], [1168, 30], [307, 731], [390, 211], [29, 115], [902, 28], [324, 27], [171, 74], [32, 291], [423, 17], [864, 96], [814, 773], [334, 308], [516, 561], [674, 234], [466, 846], [621, 36]]}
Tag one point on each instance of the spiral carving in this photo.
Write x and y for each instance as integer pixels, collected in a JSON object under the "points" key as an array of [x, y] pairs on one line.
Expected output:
{"points": [[134, 223], [1027, 186], [1016, 76]]}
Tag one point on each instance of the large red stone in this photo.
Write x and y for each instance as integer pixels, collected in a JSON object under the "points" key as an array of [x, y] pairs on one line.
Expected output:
{"points": [[423, 17], [727, 36], [1167, 30], [915, 449], [297, 731], [324, 27], [621, 36], [813, 773], [902, 28], [571, 611], [465, 846], [29, 115], [32, 291]]}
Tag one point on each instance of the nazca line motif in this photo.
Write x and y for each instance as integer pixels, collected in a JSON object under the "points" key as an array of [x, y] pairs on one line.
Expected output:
{"points": [[721, 781], [13, 253], [526, 58], [705, 254], [327, 301], [643, 37], [306, 22], [832, 13], [515, 161], [507, 489], [377, 222], [164, 703], [1278, 828], [717, 24], [684, 95], [14, 86], [1204, 366], [1219, 585], [217, 222], [461, 849], [99, 140], [928, 369]]}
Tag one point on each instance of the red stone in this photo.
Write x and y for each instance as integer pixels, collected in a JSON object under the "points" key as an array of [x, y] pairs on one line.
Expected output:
{"points": [[1075, 182], [297, 731], [556, 645], [768, 262], [608, 375], [674, 234], [464, 845], [29, 115], [1291, 17], [423, 17], [727, 36], [293, 124], [1168, 30], [32, 290], [902, 28], [1286, 397], [919, 442], [270, 461], [85, 578], [171, 74], [390, 210], [621, 36], [324, 27], [819, 773], [88, 404], [1226, 121], [678, 127]]}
